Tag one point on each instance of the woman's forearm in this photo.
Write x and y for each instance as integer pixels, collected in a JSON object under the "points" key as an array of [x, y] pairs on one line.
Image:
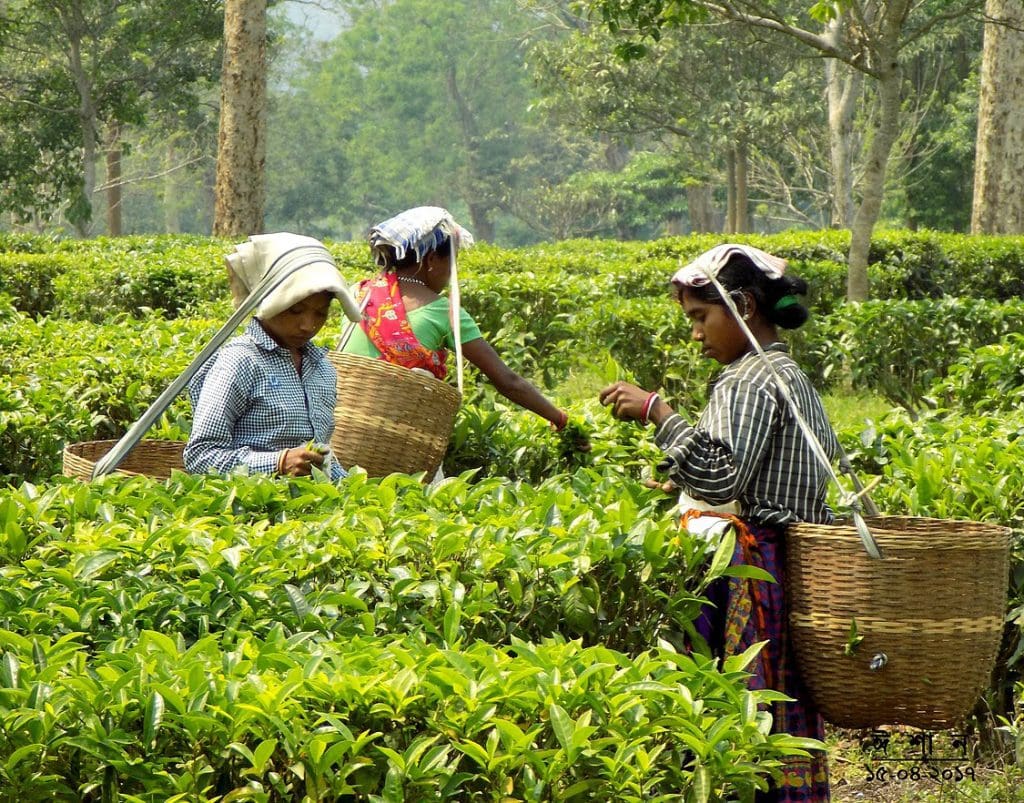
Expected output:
{"points": [[519, 390]]}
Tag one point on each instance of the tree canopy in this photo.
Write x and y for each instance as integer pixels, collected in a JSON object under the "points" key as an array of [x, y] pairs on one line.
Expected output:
{"points": [[70, 70]]}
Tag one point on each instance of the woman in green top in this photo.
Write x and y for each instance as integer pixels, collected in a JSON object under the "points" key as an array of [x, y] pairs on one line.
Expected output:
{"points": [[406, 320]]}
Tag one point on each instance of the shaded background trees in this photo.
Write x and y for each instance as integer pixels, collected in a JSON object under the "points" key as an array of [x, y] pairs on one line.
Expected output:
{"points": [[528, 120], [74, 75]]}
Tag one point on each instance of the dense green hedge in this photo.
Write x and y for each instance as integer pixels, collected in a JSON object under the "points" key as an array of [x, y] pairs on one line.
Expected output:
{"points": [[67, 380], [511, 632], [241, 638], [95, 278]]}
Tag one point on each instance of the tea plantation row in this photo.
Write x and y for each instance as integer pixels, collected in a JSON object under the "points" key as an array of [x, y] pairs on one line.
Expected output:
{"points": [[511, 634]]}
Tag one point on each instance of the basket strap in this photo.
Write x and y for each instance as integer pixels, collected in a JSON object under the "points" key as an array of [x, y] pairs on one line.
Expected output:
{"points": [[847, 468], [270, 282], [455, 311], [346, 334], [848, 499]]}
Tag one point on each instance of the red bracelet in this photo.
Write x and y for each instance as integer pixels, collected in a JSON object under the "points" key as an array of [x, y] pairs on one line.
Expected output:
{"points": [[646, 410], [561, 425]]}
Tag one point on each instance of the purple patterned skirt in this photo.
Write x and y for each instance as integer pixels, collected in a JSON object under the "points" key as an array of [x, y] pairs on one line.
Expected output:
{"points": [[744, 612]]}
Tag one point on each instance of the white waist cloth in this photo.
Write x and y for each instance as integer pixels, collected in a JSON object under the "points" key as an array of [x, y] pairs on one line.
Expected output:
{"points": [[707, 528]]}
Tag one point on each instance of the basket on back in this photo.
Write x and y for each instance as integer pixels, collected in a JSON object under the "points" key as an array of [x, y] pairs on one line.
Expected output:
{"points": [[389, 419], [933, 607], [152, 458]]}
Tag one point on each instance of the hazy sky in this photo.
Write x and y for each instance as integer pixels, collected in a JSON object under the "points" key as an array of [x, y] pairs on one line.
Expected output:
{"points": [[318, 18]]}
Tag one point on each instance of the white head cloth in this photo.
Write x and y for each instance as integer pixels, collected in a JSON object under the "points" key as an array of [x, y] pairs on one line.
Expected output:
{"points": [[695, 274], [265, 253], [420, 230]]}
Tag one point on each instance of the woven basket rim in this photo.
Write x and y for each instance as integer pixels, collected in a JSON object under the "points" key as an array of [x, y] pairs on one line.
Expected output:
{"points": [[896, 523], [76, 446], [399, 373], [80, 458]]}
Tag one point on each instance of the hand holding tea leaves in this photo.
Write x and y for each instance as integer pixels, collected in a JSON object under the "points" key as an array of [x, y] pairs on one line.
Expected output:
{"points": [[574, 437], [299, 461]]}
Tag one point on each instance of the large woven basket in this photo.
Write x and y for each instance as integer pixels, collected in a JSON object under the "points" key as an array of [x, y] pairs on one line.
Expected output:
{"points": [[153, 458], [390, 419], [934, 607]]}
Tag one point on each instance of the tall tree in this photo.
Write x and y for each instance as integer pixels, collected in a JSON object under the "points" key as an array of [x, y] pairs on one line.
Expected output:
{"points": [[874, 42], [416, 102], [998, 206], [844, 87], [72, 71], [241, 142], [734, 112]]}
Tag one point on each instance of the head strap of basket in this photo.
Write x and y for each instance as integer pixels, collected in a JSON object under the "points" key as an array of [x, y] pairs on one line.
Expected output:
{"points": [[420, 230], [311, 266]]}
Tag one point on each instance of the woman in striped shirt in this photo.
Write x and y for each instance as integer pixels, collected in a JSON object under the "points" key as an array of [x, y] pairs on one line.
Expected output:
{"points": [[747, 459]]}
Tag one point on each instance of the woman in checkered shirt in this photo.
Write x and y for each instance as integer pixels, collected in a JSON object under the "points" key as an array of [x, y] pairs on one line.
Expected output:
{"points": [[264, 403], [746, 464]]}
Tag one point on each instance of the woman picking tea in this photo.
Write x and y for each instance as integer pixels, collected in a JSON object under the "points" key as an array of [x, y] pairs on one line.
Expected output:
{"points": [[747, 456]]}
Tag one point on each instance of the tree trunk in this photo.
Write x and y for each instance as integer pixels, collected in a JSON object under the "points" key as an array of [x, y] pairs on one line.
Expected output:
{"points": [[241, 143], [172, 207], [998, 206], [887, 129], [742, 202], [114, 228], [79, 213], [730, 190], [844, 91], [482, 226], [702, 213]]}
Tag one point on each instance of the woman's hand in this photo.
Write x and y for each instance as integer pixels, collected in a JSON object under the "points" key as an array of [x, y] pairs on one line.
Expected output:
{"points": [[572, 435], [630, 402], [626, 400], [666, 486], [299, 461]]}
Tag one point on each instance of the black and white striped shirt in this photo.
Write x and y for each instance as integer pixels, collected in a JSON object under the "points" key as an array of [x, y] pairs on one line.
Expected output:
{"points": [[747, 445]]}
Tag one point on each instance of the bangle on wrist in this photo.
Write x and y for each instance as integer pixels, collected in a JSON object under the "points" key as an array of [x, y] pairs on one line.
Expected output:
{"points": [[280, 462], [646, 410], [563, 419]]}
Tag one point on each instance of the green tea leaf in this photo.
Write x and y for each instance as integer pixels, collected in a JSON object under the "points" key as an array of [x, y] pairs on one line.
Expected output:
{"points": [[154, 716], [9, 671]]}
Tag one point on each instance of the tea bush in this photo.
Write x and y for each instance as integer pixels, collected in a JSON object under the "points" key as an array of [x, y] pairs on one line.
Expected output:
{"points": [[512, 632], [70, 381], [179, 272], [28, 279], [898, 349], [244, 637], [988, 380]]}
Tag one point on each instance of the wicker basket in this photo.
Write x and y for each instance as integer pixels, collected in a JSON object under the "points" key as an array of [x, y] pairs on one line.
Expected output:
{"points": [[390, 419], [934, 606], [152, 458]]}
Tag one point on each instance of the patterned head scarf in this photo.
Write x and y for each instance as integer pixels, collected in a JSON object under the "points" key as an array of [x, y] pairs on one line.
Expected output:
{"points": [[419, 230], [695, 274], [263, 253]]}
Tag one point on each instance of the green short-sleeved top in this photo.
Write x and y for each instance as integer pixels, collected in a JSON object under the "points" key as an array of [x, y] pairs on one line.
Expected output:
{"points": [[429, 323]]}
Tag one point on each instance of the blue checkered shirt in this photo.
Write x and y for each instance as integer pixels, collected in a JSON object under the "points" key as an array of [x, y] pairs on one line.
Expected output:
{"points": [[249, 404]]}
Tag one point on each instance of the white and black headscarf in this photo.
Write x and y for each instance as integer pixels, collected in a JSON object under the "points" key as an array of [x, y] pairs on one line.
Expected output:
{"points": [[265, 253]]}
